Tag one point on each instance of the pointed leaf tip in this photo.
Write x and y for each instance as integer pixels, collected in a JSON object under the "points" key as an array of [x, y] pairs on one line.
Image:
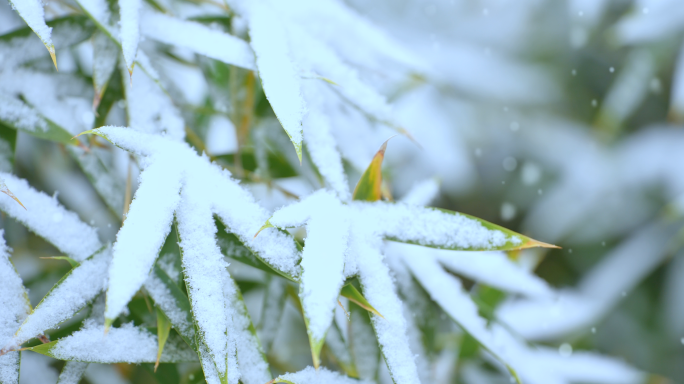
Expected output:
{"points": [[267, 225], [369, 187], [353, 294], [6, 191], [53, 55]]}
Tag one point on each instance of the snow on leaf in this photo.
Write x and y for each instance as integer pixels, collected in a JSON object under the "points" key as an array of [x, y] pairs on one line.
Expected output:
{"points": [[102, 178], [310, 375], [322, 259], [278, 74], [251, 360], [105, 55], [15, 306], [199, 38], [48, 219], [144, 230], [72, 293], [369, 187], [91, 345], [130, 31], [19, 115], [72, 373], [32, 12]]}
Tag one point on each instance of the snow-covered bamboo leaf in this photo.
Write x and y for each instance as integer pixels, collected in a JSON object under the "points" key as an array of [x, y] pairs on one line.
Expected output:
{"points": [[369, 187], [450, 295], [146, 227], [163, 329], [350, 292], [71, 294], [105, 54], [107, 184], [15, 307], [311, 375], [91, 345], [130, 30], [199, 38], [251, 360], [444, 229], [32, 12], [278, 74], [72, 372], [322, 259], [49, 220]]}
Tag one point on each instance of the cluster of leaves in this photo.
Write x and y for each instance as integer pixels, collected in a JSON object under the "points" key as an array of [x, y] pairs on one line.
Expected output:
{"points": [[371, 276]]}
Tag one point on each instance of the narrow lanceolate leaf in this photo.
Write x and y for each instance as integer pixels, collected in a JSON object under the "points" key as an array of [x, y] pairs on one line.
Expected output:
{"points": [[32, 13], [127, 344], [353, 294], [447, 292], [6, 191], [163, 329], [322, 259], [250, 357], [49, 220], [444, 229], [203, 265], [370, 185], [71, 294], [199, 38], [314, 376], [130, 30], [144, 231], [105, 54], [278, 74], [15, 306]]}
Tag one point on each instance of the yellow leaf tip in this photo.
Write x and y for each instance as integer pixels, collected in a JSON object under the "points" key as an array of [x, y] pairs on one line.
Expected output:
{"points": [[53, 55], [267, 225]]}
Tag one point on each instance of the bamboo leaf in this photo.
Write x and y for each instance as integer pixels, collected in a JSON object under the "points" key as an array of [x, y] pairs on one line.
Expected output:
{"points": [[163, 329], [353, 294], [6, 191], [68, 259], [369, 187], [8, 141]]}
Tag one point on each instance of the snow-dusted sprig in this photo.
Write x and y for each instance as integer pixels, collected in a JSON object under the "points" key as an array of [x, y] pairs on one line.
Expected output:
{"points": [[345, 240], [176, 181], [32, 12]]}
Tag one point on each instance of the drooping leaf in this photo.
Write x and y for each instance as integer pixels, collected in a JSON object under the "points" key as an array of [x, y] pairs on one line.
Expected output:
{"points": [[130, 30], [163, 329], [369, 187], [353, 294], [279, 77], [32, 13]]}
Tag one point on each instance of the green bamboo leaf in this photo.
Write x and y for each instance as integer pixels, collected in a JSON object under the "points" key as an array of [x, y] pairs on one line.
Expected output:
{"points": [[369, 187], [163, 329], [71, 261], [350, 292]]}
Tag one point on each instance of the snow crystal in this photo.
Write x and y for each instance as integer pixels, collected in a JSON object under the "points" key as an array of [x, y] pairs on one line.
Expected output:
{"points": [[279, 77], [70, 295], [309, 375], [91, 344], [130, 30], [203, 40], [144, 230], [65, 230]]}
